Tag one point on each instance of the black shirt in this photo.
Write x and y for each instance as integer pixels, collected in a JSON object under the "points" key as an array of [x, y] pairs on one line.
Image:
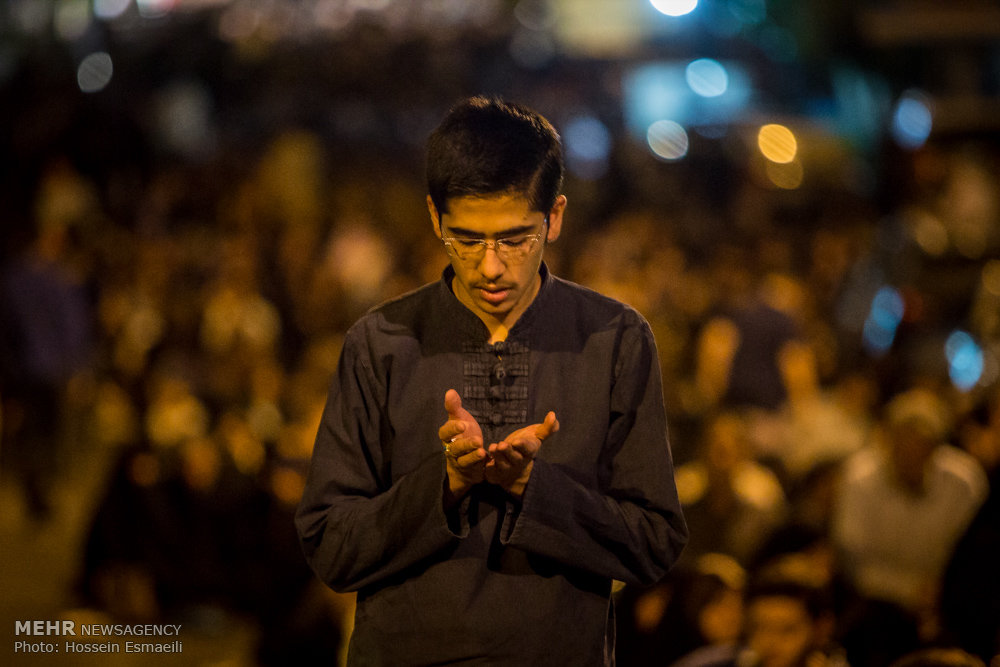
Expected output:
{"points": [[494, 581]]}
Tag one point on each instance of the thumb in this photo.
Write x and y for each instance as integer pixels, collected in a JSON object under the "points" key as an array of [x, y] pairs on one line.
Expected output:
{"points": [[549, 426], [452, 403]]}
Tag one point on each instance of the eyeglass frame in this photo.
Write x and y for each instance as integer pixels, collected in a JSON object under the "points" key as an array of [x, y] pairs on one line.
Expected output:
{"points": [[495, 244]]}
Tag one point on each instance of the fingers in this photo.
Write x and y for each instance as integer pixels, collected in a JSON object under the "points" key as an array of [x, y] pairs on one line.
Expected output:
{"points": [[451, 430], [458, 448], [505, 453], [467, 458]]}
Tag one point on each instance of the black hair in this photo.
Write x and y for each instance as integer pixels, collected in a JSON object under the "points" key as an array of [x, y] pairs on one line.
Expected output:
{"points": [[486, 146]]}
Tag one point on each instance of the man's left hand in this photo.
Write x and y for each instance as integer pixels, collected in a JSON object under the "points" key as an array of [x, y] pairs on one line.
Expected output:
{"points": [[512, 458]]}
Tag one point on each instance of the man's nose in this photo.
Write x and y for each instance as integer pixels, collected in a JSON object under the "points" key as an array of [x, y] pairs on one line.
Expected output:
{"points": [[490, 266]]}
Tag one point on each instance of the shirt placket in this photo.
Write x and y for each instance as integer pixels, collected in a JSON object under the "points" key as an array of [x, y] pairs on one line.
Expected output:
{"points": [[496, 387]]}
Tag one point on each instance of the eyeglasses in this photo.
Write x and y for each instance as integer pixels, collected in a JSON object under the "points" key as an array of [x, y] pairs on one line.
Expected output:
{"points": [[512, 249]]}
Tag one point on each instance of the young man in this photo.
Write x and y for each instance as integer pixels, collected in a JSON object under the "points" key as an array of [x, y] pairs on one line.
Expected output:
{"points": [[475, 525]]}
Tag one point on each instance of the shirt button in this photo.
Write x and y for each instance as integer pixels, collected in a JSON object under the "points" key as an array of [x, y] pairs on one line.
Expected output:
{"points": [[496, 391], [496, 418], [500, 372]]}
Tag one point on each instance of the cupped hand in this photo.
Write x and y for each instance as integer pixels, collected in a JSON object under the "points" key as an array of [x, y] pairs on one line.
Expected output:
{"points": [[462, 440], [512, 459]]}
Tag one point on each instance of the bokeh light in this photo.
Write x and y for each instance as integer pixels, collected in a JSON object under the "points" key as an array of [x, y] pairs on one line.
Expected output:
{"points": [[535, 14], [912, 120], [588, 145], [240, 22], [707, 77], [929, 233], [155, 8], [777, 143], [667, 139], [991, 277], [182, 114], [110, 9], [94, 72], [72, 18], [674, 7], [677, 90], [883, 320], [965, 360]]}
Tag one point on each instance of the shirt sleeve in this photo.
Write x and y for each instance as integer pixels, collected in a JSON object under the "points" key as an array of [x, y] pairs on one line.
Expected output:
{"points": [[356, 526], [629, 525]]}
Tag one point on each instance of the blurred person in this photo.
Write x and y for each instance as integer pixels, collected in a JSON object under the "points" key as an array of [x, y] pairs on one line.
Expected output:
{"points": [[176, 531], [204, 533], [789, 623], [815, 425], [738, 349], [46, 340], [174, 412], [236, 315], [635, 259], [131, 305], [239, 328], [265, 412], [970, 587], [732, 502], [901, 506], [942, 656], [467, 529], [116, 576], [805, 553], [301, 621], [693, 607], [613, 261]]}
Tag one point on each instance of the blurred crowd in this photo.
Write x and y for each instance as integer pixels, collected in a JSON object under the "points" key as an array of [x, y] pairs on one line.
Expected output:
{"points": [[191, 347]]}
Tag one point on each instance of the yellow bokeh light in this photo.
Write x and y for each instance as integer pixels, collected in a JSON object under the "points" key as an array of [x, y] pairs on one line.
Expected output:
{"points": [[991, 277], [777, 143], [785, 175]]}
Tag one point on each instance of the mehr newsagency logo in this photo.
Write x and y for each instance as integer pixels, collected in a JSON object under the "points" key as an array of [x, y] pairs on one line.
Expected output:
{"points": [[103, 637]]}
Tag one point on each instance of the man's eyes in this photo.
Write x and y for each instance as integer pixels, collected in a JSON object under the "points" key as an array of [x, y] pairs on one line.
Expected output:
{"points": [[511, 242]]}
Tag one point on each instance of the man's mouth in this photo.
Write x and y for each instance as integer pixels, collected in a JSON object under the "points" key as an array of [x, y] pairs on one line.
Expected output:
{"points": [[494, 295]]}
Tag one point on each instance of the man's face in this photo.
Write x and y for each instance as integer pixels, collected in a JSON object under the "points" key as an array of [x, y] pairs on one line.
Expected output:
{"points": [[498, 291], [780, 631]]}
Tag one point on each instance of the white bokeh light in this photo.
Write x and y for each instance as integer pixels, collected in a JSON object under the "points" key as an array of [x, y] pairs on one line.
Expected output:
{"points": [[674, 7], [668, 140], [94, 72]]}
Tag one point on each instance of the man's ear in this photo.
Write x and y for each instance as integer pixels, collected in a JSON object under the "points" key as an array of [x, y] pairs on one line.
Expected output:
{"points": [[556, 218], [435, 216]]}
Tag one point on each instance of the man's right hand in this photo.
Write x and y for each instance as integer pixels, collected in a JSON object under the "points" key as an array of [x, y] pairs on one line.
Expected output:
{"points": [[462, 440]]}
